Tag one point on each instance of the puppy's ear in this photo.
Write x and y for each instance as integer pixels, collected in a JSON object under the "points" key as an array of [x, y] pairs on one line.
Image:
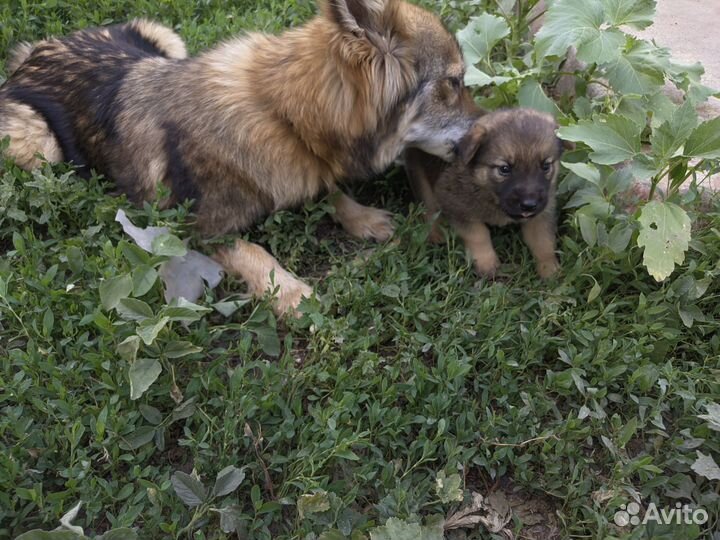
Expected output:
{"points": [[359, 16], [471, 142]]}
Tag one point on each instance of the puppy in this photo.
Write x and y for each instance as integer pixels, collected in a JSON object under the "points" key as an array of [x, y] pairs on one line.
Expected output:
{"points": [[257, 124], [505, 173]]}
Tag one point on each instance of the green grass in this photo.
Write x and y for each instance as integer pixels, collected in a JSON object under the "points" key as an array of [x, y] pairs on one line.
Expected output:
{"points": [[574, 393]]}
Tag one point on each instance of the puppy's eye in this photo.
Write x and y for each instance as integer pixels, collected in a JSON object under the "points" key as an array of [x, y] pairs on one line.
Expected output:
{"points": [[546, 166], [504, 170]]}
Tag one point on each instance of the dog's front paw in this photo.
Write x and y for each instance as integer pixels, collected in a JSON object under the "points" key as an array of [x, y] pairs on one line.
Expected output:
{"points": [[290, 293], [487, 265], [371, 224], [548, 268]]}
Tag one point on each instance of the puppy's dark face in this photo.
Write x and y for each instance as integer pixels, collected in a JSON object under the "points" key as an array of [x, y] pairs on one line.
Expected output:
{"points": [[515, 154]]}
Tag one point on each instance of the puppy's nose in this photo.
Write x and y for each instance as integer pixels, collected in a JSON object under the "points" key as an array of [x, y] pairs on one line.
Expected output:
{"points": [[529, 205]]}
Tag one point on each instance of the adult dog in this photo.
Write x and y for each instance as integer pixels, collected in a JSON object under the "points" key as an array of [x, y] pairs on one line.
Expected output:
{"points": [[258, 124]]}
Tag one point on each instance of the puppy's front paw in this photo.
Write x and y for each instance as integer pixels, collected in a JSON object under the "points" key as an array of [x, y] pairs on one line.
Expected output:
{"points": [[487, 265], [371, 223], [290, 294], [548, 267]]}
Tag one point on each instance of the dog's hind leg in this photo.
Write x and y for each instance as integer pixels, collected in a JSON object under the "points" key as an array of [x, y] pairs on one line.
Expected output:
{"points": [[361, 221], [31, 138], [263, 273]]}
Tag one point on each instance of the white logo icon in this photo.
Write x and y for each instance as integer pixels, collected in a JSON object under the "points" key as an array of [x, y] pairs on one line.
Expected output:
{"points": [[682, 514]]}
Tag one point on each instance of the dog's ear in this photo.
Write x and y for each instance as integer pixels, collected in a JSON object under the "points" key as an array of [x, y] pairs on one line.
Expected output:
{"points": [[567, 145], [471, 142], [359, 16]]}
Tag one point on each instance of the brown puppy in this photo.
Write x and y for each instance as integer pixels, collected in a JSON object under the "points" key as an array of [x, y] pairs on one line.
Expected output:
{"points": [[258, 124], [505, 173]]}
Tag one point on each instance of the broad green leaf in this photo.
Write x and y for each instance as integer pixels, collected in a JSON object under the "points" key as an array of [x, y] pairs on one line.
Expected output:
{"points": [[448, 488], [475, 77], [586, 171], [132, 309], [588, 228], [627, 432], [636, 13], [114, 289], [184, 410], [671, 135], [151, 414], [619, 237], [48, 322], [705, 140], [569, 23], [232, 519], [143, 277], [645, 376], [118, 534], [613, 140], [267, 338], [181, 314], [168, 245], [594, 292], [38, 534], [532, 95], [332, 534], [183, 310], [397, 529], [313, 503], [639, 70], [644, 167], [706, 467], [143, 372], [188, 488], [713, 416], [479, 37], [149, 329], [228, 481], [178, 349], [665, 235], [602, 48], [140, 437], [128, 348], [228, 307]]}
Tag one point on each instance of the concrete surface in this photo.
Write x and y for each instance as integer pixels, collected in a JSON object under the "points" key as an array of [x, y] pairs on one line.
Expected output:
{"points": [[690, 29]]}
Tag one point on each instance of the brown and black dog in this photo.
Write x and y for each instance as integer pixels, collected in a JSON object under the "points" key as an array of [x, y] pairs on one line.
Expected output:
{"points": [[505, 173], [257, 124]]}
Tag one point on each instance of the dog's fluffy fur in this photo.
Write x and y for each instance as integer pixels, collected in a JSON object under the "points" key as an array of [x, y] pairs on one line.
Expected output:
{"points": [[505, 173], [257, 124]]}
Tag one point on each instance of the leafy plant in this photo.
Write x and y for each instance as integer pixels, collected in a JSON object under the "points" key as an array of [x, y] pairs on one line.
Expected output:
{"points": [[406, 384], [617, 111], [195, 495]]}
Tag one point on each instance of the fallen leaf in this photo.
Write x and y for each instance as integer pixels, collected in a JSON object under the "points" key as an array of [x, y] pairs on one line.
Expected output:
{"points": [[492, 513], [183, 276]]}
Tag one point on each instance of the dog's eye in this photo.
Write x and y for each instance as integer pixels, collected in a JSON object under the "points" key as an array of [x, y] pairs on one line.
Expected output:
{"points": [[504, 170], [546, 166], [456, 82]]}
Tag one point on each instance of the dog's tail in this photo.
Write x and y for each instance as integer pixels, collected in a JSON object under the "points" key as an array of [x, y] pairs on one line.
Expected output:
{"points": [[161, 37], [18, 55]]}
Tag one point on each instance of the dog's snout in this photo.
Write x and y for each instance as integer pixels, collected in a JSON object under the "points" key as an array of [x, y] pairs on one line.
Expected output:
{"points": [[529, 204]]}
